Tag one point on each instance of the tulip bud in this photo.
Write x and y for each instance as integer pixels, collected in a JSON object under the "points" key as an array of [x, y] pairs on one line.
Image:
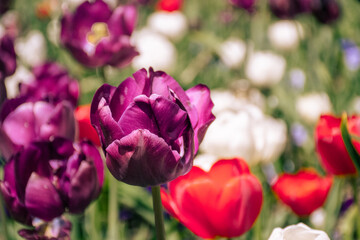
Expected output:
{"points": [[298, 232]]}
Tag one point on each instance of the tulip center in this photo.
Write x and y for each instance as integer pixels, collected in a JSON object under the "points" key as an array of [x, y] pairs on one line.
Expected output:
{"points": [[98, 31]]}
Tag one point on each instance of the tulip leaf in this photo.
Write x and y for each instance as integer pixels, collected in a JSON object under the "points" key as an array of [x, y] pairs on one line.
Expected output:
{"points": [[355, 157]]}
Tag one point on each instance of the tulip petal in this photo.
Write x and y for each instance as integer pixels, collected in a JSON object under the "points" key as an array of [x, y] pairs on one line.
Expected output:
{"points": [[124, 16], [93, 155], [84, 187], [41, 198], [200, 99], [143, 159]]}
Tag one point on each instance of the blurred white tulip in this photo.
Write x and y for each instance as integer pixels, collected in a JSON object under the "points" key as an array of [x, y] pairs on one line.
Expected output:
{"points": [[285, 34], [205, 161], [31, 49], [155, 51], [265, 69], [22, 74], [170, 24], [242, 130], [312, 105], [317, 218], [232, 52], [298, 232]]}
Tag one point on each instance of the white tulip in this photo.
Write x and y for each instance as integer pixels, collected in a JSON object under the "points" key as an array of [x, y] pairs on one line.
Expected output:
{"points": [[285, 34], [12, 82], [232, 52], [298, 232], [312, 105], [155, 51], [265, 69], [205, 161], [170, 24], [243, 131], [32, 49]]}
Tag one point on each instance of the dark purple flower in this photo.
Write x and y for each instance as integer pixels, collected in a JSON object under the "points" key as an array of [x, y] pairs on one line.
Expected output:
{"points": [[51, 83], [304, 5], [284, 8], [326, 11], [244, 4], [97, 36], [150, 128], [4, 6], [57, 229], [7, 57], [22, 122], [46, 178]]}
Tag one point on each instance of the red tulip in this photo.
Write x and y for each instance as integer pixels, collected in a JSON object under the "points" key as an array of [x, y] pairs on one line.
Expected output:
{"points": [[222, 202], [303, 192], [169, 5], [330, 146], [86, 130]]}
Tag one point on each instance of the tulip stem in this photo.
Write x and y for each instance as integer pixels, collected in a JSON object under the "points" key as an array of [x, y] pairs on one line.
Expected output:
{"points": [[3, 219], [101, 74], [159, 217], [113, 210]]}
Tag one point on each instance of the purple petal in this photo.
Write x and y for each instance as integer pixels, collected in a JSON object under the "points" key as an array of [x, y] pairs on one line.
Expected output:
{"points": [[170, 118], [93, 155], [123, 20], [200, 99], [84, 187], [138, 115], [7, 147], [41, 198], [142, 158]]}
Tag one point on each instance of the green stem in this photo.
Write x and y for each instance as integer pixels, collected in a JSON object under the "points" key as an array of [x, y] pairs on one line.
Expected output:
{"points": [[101, 73], [113, 210], [3, 219], [159, 218], [77, 228]]}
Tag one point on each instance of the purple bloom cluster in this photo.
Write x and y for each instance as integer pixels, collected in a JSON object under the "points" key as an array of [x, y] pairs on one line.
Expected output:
{"points": [[325, 11], [48, 177], [7, 63], [150, 128], [244, 4], [97, 36]]}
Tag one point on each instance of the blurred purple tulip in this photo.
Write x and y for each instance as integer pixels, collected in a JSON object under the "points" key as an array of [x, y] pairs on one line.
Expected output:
{"points": [[326, 11], [244, 4], [59, 228], [7, 57], [351, 54], [4, 6], [96, 36], [47, 178], [22, 122], [150, 128], [284, 8], [51, 83]]}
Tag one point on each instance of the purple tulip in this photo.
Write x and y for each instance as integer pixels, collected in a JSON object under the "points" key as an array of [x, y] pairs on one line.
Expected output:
{"points": [[351, 54], [244, 4], [7, 57], [326, 11], [51, 83], [59, 228], [284, 8], [47, 178], [22, 122], [4, 5], [97, 36], [150, 128]]}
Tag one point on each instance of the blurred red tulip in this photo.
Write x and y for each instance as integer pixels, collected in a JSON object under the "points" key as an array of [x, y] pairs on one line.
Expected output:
{"points": [[303, 192], [222, 202], [86, 130], [330, 146], [169, 5]]}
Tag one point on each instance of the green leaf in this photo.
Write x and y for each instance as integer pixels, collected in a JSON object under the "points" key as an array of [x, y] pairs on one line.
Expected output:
{"points": [[347, 141]]}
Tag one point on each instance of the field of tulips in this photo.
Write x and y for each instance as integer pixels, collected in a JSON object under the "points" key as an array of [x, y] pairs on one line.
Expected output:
{"points": [[179, 119]]}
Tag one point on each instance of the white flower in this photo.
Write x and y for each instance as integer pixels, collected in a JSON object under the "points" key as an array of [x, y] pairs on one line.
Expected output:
{"points": [[232, 52], [297, 78], [12, 82], [285, 34], [225, 100], [31, 49], [317, 218], [155, 51], [265, 69], [205, 161], [53, 31], [298, 232], [246, 133], [311, 106], [170, 24]]}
